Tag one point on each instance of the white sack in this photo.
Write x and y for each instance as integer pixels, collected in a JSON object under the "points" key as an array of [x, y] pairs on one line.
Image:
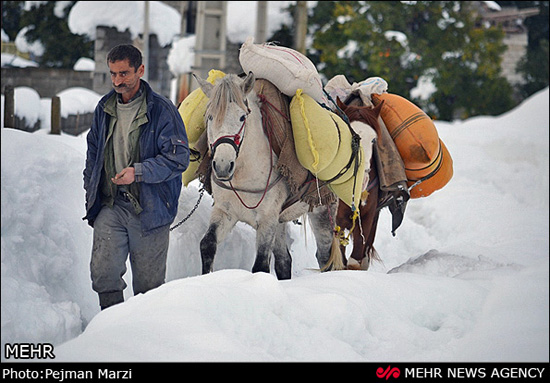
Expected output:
{"points": [[287, 69]]}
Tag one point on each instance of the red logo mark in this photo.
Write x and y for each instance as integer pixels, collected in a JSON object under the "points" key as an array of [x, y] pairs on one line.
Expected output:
{"points": [[388, 372]]}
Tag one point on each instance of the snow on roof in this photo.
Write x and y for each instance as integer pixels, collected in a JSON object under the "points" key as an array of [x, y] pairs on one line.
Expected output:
{"points": [[493, 5], [164, 21]]}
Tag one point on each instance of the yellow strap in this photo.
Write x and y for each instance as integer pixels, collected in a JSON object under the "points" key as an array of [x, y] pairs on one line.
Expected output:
{"points": [[344, 240], [314, 152]]}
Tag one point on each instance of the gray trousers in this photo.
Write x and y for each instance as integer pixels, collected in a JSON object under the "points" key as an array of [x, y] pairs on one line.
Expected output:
{"points": [[117, 233]]}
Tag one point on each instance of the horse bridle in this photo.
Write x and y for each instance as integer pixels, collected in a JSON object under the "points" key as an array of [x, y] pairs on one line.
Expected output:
{"points": [[235, 140]]}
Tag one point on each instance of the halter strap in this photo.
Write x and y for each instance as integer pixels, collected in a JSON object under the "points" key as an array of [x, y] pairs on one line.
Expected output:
{"points": [[235, 140]]}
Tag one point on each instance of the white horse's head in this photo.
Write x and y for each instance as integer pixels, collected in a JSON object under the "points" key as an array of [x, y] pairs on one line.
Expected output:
{"points": [[225, 119]]}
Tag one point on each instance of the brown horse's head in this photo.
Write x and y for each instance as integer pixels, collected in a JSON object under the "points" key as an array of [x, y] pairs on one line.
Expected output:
{"points": [[364, 114]]}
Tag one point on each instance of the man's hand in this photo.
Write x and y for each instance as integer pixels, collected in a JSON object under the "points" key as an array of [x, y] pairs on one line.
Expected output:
{"points": [[125, 177]]}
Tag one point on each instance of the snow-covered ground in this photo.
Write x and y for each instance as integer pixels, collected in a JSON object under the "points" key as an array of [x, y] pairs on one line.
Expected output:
{"points": [[465, 279]]}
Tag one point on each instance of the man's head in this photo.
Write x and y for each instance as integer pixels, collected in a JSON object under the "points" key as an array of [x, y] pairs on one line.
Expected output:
{"points": [[125, 65]]}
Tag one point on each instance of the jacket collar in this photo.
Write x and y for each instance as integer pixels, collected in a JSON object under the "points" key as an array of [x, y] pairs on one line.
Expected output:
{"points": [[111, 98]]}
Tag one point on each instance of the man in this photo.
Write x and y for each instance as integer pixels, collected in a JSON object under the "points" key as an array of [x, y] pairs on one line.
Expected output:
{"points": [[137, 151]]}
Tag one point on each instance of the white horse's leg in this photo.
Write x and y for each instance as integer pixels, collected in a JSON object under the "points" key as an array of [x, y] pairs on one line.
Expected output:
{"points": [[265, 237], [322, 222], [221, 224], [283, 259]]}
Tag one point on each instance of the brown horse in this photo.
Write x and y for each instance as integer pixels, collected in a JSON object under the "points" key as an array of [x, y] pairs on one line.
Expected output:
{"points": [[364, 230]]}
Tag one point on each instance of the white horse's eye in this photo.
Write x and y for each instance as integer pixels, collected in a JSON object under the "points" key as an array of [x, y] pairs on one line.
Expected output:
{"points": [[210, 118], [243, 117]]}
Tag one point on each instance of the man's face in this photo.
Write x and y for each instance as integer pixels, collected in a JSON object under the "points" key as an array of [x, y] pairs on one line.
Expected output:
{"points": [[125, 78]]}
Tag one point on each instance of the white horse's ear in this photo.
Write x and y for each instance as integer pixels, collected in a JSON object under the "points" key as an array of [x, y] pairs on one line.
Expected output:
{"points": [[205, 85], [248, 83]]}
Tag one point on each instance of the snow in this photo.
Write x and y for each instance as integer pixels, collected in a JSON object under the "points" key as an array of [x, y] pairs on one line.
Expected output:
{"points": [[164, 21], [238, 11], [424, 88], [78, 100], [84, 64], [10, 60], [181, 57], [465, 279], [400, 37], [35, 48], [27, 104], [493, 5]]}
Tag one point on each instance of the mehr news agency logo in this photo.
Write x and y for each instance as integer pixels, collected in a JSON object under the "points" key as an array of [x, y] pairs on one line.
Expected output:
{"points": [[505, 371]]}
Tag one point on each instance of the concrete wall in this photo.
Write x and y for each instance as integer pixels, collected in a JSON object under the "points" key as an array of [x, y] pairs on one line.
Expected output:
{"points": [[46, 81], [107, 38]]}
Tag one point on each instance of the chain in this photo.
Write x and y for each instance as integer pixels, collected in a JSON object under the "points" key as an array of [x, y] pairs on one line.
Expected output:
{"points": [[191, 212]]}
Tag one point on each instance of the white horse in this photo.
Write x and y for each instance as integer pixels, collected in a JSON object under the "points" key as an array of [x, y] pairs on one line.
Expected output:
{"points": [[246, 186]]}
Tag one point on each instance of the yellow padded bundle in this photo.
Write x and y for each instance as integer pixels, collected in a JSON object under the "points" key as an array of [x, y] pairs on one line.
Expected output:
{"points": [[343, 154], [315, 137], [190, 173], [323, 144], [350, 191], [192, 111]]}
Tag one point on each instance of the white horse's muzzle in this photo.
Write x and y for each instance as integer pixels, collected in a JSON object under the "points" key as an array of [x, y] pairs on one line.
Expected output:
{"points": [[223, 162]]}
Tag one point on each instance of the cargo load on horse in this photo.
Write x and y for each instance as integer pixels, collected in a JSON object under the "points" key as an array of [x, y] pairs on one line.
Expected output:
{"points": [[325, 144], [427, 162], [366, 144]]}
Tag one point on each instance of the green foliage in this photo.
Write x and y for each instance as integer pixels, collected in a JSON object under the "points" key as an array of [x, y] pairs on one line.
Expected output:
{"points": [[62, 47], [534, 66], [402, 41], [11, 16]]}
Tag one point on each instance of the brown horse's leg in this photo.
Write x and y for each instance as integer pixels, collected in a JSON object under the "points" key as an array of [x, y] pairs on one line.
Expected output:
{"points": [[369, 222], [365, 231]]}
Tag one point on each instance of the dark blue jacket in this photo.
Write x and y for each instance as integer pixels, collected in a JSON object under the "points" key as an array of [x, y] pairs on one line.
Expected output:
{"points": [[164, 154]]}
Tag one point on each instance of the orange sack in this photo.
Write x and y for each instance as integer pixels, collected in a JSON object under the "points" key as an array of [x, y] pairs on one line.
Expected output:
{"points": [[425, 156]]}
